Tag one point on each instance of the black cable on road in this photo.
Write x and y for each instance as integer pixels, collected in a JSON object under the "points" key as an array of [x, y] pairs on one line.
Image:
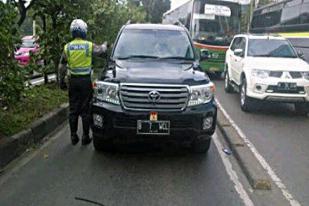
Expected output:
{"points": [[89, 201]]}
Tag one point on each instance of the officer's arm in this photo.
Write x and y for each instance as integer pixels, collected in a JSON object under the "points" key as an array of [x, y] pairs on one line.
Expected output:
{"points": [[62, 71], [99, 49]]}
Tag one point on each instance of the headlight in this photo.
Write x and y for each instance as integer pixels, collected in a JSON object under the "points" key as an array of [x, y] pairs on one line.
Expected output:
{"points": [[305, 75], [106, 92], [201, 94], [263, 74]]}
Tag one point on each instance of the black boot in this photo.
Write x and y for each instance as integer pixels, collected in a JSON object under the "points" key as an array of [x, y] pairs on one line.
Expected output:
{"points": [[74, 139], [86, 140]]}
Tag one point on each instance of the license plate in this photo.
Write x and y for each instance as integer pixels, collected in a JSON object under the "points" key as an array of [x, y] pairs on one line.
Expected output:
{"points": [[146, 127], [284, 86]]}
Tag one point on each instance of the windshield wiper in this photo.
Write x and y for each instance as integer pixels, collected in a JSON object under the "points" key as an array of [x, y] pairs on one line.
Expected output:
{"points": [[178, 58], [138, 56]]}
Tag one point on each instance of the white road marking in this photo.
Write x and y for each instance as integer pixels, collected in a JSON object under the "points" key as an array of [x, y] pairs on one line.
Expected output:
{"points": [[232, 174], [263, 162]]}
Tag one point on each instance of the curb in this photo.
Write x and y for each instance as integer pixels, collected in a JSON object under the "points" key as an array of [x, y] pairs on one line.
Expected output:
{"points": [[253, 170], [14, 146]]}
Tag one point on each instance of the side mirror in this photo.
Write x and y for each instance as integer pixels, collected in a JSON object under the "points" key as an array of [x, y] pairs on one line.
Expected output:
{"points": [[300, 54], [204, 54], [239, 52]]}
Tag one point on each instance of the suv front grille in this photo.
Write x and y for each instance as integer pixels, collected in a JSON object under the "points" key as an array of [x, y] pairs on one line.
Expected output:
{"points": [[278, 74], [296, 75], [169, 97], [275, 74]]}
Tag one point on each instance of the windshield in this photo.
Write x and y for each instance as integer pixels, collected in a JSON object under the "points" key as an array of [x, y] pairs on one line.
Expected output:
{"points": [[270, 48], [148, 43], [215, 24], [28, 43]]}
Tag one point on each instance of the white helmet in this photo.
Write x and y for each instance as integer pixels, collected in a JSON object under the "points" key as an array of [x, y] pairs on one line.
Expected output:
{"points": [[79, 26]]}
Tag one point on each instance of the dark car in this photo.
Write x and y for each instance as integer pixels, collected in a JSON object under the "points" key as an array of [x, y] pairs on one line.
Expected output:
{"points": [[153, 90]]}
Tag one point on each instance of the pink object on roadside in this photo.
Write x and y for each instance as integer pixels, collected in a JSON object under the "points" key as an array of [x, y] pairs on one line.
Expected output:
{"points": [[29, 45]]}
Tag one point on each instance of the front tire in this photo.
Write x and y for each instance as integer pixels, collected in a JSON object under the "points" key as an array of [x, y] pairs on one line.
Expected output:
{"points": [[246, 103], [200, 146], [302, 108], [227, 83]]}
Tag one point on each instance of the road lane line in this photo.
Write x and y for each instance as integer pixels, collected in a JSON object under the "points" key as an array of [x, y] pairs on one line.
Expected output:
{"points": [[263, 162], [232, 174]]}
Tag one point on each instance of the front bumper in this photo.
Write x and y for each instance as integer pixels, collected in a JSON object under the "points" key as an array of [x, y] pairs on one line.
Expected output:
{"points": [[121, 125], [266, 89]]}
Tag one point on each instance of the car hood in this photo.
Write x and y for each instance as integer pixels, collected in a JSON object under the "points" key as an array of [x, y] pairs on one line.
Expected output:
{"points": [[277, 64], [155, 71]]}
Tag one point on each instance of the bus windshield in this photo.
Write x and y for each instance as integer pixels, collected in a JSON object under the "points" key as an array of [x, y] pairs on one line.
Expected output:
{"points": [[215, 22], [270, 48]]}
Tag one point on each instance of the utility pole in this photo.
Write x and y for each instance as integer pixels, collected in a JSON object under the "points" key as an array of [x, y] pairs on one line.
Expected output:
{"points": [[33, 28]]}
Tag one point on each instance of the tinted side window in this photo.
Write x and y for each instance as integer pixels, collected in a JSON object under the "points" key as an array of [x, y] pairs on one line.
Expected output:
{"points": [[304, 15], [242, 44], [235, 43], [267, 17], [291, 13]]}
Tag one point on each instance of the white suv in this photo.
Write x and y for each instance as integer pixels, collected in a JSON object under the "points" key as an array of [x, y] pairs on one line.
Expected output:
{"points": [[264, 67]]}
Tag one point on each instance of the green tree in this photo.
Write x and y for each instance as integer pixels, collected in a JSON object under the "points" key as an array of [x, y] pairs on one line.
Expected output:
{"points": [[11, 76], [54, 17], [154, 8]]}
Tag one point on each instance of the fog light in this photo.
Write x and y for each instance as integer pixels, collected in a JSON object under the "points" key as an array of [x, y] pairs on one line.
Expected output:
{"points": [[207, 123], [98, 120], [260, 88]]}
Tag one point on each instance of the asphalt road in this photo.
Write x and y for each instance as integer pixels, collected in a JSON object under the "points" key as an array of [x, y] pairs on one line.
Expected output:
{"points": [[59, 172], [279, 135]]}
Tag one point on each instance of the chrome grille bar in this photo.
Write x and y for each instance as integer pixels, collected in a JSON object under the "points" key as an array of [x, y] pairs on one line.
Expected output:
{"points": [[137, 97]]}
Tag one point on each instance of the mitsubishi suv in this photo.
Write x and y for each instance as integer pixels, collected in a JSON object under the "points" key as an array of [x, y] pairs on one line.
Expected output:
{"points": [[153, 90], [267, 67]]}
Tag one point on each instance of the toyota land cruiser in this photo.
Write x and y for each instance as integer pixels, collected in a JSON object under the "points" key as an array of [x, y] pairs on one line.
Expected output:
{"points": [[153, 89]]}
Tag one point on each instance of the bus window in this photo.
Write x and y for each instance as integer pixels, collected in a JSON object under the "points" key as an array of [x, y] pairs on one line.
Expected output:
{"points": [[291, 12], [273, 18], [266, 20], [304, 16]]}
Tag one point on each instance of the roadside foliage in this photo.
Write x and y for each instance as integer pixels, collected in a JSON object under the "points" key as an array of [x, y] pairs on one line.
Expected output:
{"points": [[11, 76], [53, 18]]}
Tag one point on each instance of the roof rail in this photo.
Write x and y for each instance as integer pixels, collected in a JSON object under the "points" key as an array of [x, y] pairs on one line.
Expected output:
{"points": [[178, 23]]}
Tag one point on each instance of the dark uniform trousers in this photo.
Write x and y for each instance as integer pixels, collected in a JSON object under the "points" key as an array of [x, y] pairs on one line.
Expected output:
{"points": [[80, 94]]}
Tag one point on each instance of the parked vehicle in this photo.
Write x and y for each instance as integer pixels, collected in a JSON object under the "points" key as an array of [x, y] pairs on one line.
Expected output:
{"points": [[29, 45], [265, 67], [153, 90]]}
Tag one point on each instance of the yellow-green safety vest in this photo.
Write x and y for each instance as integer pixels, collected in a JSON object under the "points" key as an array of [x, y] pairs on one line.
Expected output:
{"points": [[79, 56]]}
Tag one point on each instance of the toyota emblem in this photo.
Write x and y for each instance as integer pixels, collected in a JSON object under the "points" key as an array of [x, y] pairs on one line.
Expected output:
{"points": [[154, 96]]}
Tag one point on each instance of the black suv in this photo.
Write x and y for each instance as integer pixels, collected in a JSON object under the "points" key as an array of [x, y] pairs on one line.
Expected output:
{"points": [[153, 90]]}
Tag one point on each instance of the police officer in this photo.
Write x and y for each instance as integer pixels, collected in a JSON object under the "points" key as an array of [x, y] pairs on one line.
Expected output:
{"points": [[76, 61]]}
